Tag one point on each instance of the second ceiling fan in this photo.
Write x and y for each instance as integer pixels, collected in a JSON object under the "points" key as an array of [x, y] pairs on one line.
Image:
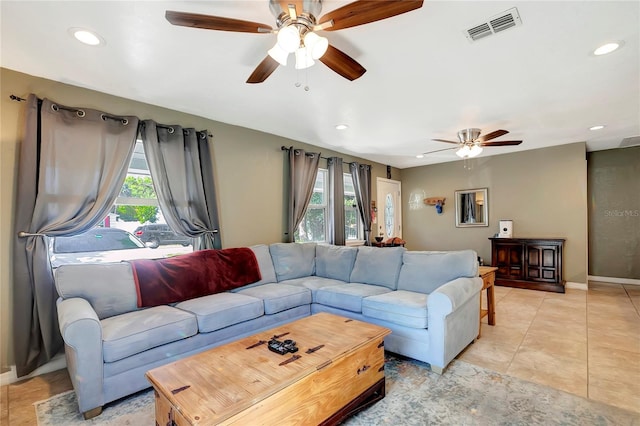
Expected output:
{"points": [[297, 23], [470, 143]]}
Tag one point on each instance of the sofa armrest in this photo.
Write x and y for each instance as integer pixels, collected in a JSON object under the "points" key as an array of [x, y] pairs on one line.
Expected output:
{"points": [[450, 296], [453, 319], [82, 333]]}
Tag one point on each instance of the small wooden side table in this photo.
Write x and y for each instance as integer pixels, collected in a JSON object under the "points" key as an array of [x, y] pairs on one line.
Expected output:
{"points": [[488, 275]]}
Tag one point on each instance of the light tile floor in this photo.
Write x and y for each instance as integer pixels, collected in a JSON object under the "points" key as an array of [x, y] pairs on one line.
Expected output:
{"points": [[582, 342]]}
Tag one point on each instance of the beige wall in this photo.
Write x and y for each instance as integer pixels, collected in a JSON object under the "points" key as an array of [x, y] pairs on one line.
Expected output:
{"points": [[614, 213], [248, 171], [543, 191]]}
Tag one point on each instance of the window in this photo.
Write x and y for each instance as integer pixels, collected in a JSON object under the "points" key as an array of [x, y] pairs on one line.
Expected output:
{"points": [[314, 224], [97, 239], [119, 236], [352, 223]]}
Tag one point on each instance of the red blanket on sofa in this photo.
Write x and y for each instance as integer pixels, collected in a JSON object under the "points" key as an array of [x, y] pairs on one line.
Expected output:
{"points": [[183, 277]]}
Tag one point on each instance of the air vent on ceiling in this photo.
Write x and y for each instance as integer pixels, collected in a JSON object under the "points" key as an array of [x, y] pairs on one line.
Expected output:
{"points": [[494, 25], [630, 141]]}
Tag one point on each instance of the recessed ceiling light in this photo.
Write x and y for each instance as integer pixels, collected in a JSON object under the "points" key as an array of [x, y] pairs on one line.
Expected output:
{"points": [[86, 36], [341, 126], [420, 156], [598, 127], [607, 48]]}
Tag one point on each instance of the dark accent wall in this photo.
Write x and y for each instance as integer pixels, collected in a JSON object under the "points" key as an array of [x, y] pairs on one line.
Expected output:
{"points": [[614, 212]]}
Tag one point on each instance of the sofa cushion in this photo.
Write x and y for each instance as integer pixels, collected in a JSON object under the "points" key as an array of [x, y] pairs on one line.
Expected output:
{"points": [[335, 262], [134, 332], [293, 260], [424, 271], [398, 307], [221, 310], [279, 297], [379, 266], [313, 283], [108, 287], [265, 264], [347, 296]]}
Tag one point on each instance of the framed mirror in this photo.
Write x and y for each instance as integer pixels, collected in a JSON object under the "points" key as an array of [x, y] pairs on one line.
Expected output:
{"points": [[472, 208]]}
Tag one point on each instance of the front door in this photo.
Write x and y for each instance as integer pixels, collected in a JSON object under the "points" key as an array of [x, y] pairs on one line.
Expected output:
{"points": [[389, 209]]}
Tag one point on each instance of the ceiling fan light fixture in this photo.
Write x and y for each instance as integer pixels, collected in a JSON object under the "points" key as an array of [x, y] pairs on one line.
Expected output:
{"points": [[316, 45], [279, 54], [289, 38], [303, 59], [463, 152], [475, 150]]}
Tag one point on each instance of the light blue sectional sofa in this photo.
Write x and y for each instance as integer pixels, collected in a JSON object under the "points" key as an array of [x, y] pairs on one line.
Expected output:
{"points": [[430, 301]]}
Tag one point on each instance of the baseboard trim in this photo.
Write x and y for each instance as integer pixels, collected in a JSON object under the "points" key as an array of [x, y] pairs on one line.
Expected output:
{"points": [[576, 286], [614, 280], [58, 362]]}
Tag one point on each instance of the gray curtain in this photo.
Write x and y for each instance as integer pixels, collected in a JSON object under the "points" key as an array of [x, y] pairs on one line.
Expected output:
{"points": [[71, 169], [336, 201], [303, 169], [361, 175], [182, 171]]}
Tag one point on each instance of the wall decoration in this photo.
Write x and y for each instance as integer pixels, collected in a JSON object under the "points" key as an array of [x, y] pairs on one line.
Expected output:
{"points": [[472, 208]]}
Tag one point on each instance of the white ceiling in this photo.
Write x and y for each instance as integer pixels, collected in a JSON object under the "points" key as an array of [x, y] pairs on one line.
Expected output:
{"points": [[424, 79]]}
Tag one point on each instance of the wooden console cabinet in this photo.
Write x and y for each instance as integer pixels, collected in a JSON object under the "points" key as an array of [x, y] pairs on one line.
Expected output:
{"points": [[533, 263]]}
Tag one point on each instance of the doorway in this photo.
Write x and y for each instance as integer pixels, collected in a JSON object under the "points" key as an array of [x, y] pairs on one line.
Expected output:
{"points": [[389, 208]]}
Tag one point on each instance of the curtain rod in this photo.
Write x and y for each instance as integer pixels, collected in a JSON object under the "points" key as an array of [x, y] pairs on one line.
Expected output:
{"points": [[19, 99], [171, 129], [284, 148], [78, 111]]}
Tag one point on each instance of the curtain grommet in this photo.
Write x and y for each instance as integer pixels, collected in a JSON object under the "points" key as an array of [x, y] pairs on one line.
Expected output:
{"points": [[54, 107], [124, 121], [171, 129], [80, 113]]}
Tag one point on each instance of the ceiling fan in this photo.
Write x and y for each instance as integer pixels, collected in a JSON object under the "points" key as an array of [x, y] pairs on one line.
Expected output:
{"points": [[297, 23], [470, 143]]}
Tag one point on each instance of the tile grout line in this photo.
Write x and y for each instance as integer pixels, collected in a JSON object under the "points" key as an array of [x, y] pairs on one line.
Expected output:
{"points": [[524, 336]]}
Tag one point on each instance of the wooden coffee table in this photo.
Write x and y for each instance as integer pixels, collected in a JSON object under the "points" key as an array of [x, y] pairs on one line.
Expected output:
{"points": [[337, 370]]}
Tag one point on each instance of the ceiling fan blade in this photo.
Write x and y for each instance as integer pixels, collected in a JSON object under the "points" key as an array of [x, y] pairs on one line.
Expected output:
{"points": [[218, 23], [439, 150], [365, 11], [492, 135], [263, 70], [442, 140], [342, 63], [501, 143]]}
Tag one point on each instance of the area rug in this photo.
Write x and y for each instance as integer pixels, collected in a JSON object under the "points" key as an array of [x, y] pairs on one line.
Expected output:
{"points": [[465, 395]]}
